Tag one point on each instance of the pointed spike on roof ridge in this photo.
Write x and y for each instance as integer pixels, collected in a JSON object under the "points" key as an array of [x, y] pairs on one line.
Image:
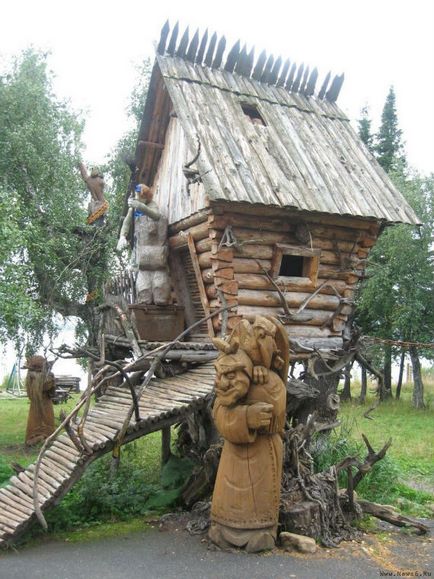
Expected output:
{"points": [[324, 86], [304, 81], [163, 37], [259, 66], [245, 63], [267, 69], [250, 60], [335, 88], [192, 49], [297, 81], [283, 73], [290, 79], [232, 57], [211, 48], [173, 38], [202, 46], [219, 53], [239, 65], [183, 44], [274, 74], [310, 88]]}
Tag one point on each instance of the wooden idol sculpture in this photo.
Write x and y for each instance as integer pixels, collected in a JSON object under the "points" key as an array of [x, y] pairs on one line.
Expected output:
{"points": [[150, 250], [40, 386], [249, 412], [98, 204]]}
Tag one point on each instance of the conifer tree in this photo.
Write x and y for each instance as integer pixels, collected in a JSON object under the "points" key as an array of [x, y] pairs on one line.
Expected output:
{"points": [[389, 148], [364, 128]]}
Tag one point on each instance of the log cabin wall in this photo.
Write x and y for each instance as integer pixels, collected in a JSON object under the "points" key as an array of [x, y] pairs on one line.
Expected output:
{"points": [[234, 246]]}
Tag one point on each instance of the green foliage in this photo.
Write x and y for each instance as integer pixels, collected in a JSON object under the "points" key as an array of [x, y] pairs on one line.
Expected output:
{"points": [[389, 147], [383, 484], [41, 198], [123, 154], [396, 300], [5, 471], [49, 258], [364, 128], [134, 490]]}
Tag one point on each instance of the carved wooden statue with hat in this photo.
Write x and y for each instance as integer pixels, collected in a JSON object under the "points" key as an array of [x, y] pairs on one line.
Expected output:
{"points": [[40, 386], [249, 412]]}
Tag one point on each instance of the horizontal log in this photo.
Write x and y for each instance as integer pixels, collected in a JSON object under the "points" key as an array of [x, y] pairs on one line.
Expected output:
{"points": [[291, 216], [250, 222], [293, 299], [333, 343], [198, 232], [258, 235], [204, 245], [254, 251], [188, 222], [297, 284]]}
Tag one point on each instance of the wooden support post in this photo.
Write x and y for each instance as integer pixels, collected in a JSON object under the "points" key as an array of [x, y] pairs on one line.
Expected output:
{"points": [[165, 444]]}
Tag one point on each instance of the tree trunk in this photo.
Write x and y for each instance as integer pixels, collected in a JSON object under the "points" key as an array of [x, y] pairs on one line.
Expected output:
{"points": [[401, 374], [387, 371], [418, 401], [364, 387], [326, 403], [346, 392]]}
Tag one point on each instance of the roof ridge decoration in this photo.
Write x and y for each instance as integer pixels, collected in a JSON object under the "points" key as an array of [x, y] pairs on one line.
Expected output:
{"points": [[267, 70]]}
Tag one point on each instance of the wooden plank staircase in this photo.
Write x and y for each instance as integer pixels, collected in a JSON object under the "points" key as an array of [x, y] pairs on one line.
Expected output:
{"points": [[163, 402]]}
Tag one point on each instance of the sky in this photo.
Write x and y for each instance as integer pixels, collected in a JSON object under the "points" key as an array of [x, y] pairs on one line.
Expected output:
{"points": [[96, 47]]}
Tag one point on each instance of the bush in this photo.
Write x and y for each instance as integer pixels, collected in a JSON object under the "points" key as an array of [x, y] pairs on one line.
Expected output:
{"points": [[102, 495], [382, 484]]}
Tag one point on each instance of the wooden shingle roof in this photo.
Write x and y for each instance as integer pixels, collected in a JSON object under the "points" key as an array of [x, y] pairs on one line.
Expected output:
{"points": [[300, 152]]}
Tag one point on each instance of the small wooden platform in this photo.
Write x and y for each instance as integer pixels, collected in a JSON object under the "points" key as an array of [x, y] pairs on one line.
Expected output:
{"points": [[163, 403]]}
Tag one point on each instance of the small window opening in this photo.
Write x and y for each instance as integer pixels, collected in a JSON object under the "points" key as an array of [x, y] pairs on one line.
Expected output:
{"points": [[252, 112], [292, 266]]}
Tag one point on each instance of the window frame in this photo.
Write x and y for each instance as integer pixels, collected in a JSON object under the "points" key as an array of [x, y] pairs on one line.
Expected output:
{"points": [[310, 265]]}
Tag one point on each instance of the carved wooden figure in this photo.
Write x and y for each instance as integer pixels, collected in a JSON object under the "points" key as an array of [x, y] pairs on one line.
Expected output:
{"points": [[249, 412], [98, 204], [150, 247], [39, 386]]}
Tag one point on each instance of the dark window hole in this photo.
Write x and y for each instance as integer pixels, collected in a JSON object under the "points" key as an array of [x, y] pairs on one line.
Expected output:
{"points": [[252, 112], [291, 266]]}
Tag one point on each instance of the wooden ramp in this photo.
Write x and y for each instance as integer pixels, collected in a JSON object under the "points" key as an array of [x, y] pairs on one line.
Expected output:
{"points": [[163, 403]]}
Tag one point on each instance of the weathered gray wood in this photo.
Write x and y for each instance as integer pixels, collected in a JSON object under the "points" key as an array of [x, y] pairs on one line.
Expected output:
{"points": [[210, 52], [201, 52], [216, 63], [183, 44], [232, 57], [192, 49], [163, 38], [172, 43], [259, 67]]}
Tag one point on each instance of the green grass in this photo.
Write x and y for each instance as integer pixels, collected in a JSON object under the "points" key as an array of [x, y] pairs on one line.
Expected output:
{"points": [[13, 420], [411, 430]]}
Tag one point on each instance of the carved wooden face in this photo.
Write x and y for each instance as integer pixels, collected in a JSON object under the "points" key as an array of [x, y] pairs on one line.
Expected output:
{"points": [[231, 386]]}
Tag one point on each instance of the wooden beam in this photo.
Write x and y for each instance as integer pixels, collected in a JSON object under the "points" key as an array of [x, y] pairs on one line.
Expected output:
{"points": [[163, 37], [210, 52], [201, 51], [173, 38], [259, 67], [219, 53]]}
